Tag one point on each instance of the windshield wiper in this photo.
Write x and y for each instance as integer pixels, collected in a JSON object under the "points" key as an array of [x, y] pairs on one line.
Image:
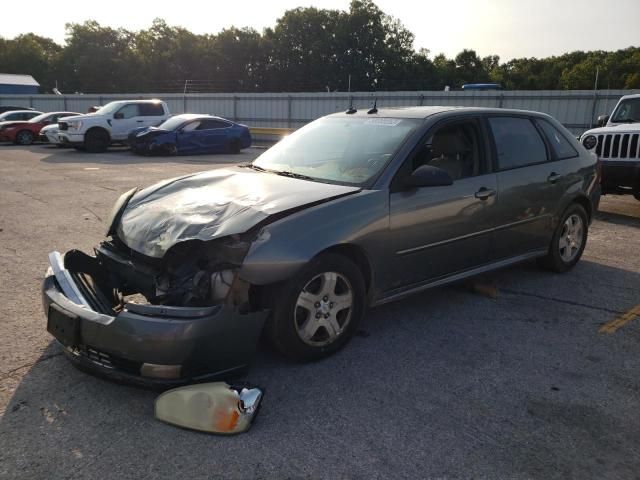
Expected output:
{"points": [[253, 167], [299, 176]]}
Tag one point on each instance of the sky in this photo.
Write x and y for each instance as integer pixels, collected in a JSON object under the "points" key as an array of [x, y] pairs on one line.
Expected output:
{"points": [[508, 28]]}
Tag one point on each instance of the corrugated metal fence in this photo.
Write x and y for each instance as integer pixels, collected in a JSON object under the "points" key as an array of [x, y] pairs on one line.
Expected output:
{"points": [[576, 109]]}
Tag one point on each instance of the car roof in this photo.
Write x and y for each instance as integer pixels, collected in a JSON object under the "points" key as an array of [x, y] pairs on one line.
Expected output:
{"points": [[427, 111], [21, 111], [194, 116], [635, 95]]}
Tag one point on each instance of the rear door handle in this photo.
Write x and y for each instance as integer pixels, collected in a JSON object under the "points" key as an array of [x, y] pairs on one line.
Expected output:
{"points": [[485, 193], [554, 177], [139, 121]]}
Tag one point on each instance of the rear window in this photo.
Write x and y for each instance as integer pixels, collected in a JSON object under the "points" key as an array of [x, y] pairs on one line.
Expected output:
{"points": [[151, 110], [518, 142], [558, 141]]}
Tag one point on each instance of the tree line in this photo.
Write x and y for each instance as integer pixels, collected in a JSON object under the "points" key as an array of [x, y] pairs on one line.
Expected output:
{"points": [[308, 49]]}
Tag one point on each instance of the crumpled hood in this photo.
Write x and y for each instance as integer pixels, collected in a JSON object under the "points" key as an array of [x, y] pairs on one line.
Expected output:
{"points": [[213, 204]]}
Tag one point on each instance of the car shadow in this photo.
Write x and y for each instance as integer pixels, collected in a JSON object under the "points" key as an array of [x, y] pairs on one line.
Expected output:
{"points": [[618, 218], [446, 381]]}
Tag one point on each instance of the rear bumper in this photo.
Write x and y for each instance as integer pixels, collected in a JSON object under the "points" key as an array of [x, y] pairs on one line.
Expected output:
{"points": [[147, 345], [620, 174]]}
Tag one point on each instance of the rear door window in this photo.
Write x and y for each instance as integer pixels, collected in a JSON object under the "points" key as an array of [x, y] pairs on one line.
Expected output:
{"points": [[518, 142], [212, 125], [151, 110], [558, 141]]}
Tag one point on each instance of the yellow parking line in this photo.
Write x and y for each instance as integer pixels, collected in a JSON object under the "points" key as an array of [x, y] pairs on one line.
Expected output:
{"points": [[621, 321]]}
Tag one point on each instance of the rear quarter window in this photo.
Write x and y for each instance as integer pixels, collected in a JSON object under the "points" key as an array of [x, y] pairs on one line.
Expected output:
{"points": [[517, 141], [558, 141]]}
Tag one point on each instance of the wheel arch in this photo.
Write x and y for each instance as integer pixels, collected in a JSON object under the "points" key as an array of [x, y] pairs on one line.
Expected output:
{"points": [[96, 129], [585, 203], [358, 256]]}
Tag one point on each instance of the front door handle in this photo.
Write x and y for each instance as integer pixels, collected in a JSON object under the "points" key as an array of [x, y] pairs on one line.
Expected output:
{"points": [[139, 121], [485, 193], [554, 177]]}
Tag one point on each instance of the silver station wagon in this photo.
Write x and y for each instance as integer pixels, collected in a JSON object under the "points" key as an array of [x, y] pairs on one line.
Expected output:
{"points": [[353, 210]]}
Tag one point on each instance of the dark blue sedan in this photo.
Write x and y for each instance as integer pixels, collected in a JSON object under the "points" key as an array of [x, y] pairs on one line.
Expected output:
{"points": [[190, 134]]}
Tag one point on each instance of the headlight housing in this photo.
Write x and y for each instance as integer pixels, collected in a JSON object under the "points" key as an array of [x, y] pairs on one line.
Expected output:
{"points": [[74, 125], [589, 142], [118, 208]]}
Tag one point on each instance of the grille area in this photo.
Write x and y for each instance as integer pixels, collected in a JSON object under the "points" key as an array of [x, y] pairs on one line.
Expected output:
{"points": [[97, 300], [618, 145], [107, 360]]}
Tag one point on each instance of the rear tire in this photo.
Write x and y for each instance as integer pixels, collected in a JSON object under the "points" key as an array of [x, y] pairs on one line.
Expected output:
{"points": [[24, 137], [234, 146], [569, 240], [96, 141], [316, 312]]}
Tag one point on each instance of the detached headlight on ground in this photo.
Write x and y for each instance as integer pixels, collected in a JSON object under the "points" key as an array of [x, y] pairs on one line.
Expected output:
{"points": [[589, 142], [209, 407]]}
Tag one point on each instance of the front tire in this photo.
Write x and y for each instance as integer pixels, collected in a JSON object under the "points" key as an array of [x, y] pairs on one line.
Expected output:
{"points": [[24, 137], [96, 141], [569, 240], [234, 146], [315, 313]]}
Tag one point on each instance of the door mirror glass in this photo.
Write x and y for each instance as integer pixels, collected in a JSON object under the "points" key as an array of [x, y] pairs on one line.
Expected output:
{"points": [[118, 116], [602, 120], [428, 176], [210, 407]]}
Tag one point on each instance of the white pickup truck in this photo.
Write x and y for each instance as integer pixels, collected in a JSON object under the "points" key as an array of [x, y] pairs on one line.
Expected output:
{"points": [[617, 144], [94, 132]]}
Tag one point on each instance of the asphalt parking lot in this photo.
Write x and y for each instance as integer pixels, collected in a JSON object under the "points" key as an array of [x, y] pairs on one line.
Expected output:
{"points": [[542, 381]]}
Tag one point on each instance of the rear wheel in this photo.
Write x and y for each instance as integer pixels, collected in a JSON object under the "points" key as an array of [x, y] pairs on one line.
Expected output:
{"points": [[96, 141], [234, 145], [315, 313], [24, 137], [569, 240]]}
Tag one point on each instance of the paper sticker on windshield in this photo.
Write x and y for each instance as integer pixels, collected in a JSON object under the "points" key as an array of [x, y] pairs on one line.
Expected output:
{"points": [[386, 122]]}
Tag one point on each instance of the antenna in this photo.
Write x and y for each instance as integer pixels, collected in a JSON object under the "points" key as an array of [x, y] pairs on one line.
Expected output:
{"points": [[374, 109]]}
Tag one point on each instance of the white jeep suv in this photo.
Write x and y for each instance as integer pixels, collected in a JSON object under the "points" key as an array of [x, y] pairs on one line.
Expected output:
{"points": [[617, 144], [94, 132]]}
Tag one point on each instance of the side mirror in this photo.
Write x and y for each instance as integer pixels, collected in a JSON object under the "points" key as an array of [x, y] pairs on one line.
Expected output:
{"points": [[602, 120], [428, 176], [118, 116]]}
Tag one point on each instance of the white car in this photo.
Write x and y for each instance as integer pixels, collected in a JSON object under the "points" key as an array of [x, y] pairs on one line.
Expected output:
{"points": [[112, 123], [49, 133], [617, 144]]}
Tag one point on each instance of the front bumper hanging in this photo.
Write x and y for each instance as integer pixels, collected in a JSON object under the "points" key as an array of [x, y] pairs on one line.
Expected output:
{"points": [[143, 344]]}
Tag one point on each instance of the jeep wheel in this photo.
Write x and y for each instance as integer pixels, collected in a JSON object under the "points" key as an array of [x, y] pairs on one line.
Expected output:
{"points": [[96, 141]]}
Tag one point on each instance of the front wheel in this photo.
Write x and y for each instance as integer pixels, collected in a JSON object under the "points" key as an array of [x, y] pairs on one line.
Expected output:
{"points": [[316, 312], [96, 141], [568, 241]]}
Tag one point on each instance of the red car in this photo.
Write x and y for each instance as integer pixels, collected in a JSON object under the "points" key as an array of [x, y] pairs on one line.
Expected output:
{"points": [[25, 132]]}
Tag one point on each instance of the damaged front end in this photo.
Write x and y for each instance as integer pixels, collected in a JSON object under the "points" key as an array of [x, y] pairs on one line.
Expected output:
{"points": [[181, 318]]}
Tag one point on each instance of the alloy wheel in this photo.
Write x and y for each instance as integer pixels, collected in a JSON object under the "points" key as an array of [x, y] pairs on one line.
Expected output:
{"points": [[323, 309], [571, 238]]}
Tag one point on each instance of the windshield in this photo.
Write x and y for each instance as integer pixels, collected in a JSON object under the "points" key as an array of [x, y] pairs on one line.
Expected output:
{"points": [[345, 150], [172, 123], [109, 108], [627, 111]]}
